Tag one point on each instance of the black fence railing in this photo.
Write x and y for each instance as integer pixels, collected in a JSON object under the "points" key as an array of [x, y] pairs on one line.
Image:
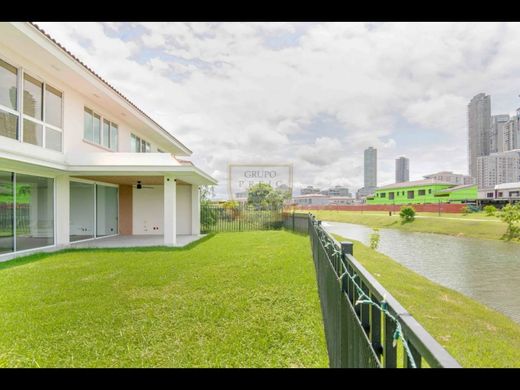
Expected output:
{"points": [[364, 325], [218, 218], [296, 221]]}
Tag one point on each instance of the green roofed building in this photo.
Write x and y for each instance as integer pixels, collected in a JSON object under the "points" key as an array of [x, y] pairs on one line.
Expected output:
{"points": [[423, 191]]}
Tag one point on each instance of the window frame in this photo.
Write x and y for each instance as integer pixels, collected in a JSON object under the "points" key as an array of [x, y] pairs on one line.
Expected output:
{"points": [[142, 145], [102, 120], [19, 112]]}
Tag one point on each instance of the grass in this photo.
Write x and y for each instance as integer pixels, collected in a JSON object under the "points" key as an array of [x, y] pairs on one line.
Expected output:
{"points": [[475, 335], [234, 300], [456, 225]]}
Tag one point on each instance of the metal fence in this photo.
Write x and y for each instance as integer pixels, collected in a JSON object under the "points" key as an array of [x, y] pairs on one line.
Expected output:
{"points": [[296, 222], [218, 218], [364, 325]]}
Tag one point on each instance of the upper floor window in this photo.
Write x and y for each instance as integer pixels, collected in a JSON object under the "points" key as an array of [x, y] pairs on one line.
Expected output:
{"points": [[100, 130], [138, 145], [38, 120]]}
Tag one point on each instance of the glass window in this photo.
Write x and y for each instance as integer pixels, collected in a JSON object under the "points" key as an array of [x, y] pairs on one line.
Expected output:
{"points": [[148, 147], [97, 129], [32, 132], [81, 211], [106, 133], [143, 146], [6, 212], [34, 212], [106, 210], [114, 135], [33, 97], [52, 139], [53, 106], [8, 125], [422, 192], [88, 134], [8, 88]]}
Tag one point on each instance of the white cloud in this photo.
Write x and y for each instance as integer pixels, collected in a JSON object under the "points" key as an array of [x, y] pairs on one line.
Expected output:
{"points": [[231, 98]]}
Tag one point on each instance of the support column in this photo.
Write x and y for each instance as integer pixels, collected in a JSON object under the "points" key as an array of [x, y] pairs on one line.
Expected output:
{"points": [[62, 210], [195, 210], [170, 211]]}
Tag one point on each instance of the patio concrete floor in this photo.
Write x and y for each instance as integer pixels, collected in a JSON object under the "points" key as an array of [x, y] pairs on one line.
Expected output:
{"points": [[134, 241]]}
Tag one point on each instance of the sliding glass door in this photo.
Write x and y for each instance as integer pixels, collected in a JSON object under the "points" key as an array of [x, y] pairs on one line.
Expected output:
{"points": [[6, 212], [93, 210], [106, 210], [26, 212], [34, 212], [81, 210]]}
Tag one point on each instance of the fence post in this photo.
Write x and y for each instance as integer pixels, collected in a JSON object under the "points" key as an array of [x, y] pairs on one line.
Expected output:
{"points": [[347, 248]]}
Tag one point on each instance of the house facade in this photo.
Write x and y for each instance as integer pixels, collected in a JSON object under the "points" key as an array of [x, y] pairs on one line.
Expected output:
{"points": [[78, 160]]}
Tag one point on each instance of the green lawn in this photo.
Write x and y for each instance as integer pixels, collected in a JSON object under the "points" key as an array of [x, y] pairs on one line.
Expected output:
{"points": [[234, 300], [455, 225], [474, 334]]}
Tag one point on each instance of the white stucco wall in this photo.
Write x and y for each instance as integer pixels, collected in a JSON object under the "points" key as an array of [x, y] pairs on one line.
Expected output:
{"points": [[183, 209], [148, 210]]}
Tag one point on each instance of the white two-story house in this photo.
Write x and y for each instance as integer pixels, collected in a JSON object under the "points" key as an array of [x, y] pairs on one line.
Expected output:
{"points": [[78, 160]]}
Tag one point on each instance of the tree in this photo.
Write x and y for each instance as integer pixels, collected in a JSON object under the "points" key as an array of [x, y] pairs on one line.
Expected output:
{"points": [[510, 214], [264, 197], [407, 214]]}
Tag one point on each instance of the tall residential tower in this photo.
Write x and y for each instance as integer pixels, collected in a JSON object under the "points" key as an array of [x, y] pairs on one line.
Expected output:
{"points": [[479, 126], [371, 167], [402, 169]]}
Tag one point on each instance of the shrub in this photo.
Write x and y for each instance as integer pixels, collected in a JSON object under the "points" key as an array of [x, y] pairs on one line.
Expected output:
{"points": [[374, 239], [407, 214], [466, 210], [490, 210]]}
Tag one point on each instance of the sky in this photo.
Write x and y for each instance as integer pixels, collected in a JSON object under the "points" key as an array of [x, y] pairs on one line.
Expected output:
{"points": [[314, 95]]}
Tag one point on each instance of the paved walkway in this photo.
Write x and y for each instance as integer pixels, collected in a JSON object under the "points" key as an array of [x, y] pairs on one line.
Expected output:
{"points": [[134, 241]]}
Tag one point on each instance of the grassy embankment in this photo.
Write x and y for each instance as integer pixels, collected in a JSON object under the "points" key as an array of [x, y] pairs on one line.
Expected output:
{"points": [[235, 300], [474, 334], [472, 225]]}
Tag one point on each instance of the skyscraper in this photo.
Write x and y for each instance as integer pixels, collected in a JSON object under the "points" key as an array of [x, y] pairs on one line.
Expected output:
{"points": [[370, 172], [511, 133], [370, 167], [498, 123], [402, 169], [479, 126]]}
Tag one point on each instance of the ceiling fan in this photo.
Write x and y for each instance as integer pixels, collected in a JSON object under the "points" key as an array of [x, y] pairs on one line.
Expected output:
{"points": [[140, 186]]}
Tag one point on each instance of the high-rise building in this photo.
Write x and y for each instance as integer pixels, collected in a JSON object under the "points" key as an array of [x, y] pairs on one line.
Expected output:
{"points": [[402, 169], [479, 126], [511, 133], [497, 133], [450, 177], [370, 173], [498, 168], [370, 168]]}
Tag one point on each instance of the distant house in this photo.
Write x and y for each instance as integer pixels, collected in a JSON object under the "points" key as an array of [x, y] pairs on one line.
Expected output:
{"points": [[78, 160]]}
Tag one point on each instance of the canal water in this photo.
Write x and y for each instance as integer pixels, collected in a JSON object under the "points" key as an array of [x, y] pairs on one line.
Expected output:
{"points": [[485, 270]]}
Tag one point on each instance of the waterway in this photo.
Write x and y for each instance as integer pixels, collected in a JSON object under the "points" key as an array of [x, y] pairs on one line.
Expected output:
{"points": [[485, 270]]}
